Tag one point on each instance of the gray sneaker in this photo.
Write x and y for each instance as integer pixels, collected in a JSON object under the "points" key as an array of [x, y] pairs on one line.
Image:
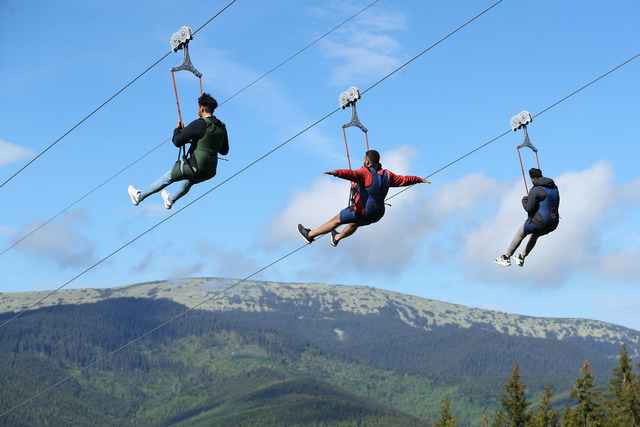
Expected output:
{"points": [[304, 232], [134, 194], [165, 196]]}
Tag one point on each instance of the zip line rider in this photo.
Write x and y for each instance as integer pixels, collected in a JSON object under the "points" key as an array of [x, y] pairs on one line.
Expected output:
{"points": [[207, 137], [373, 183], [542, 207]]}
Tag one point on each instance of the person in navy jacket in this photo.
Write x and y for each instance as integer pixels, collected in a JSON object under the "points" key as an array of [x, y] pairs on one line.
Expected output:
{"points": [[541, 205], [372, 184]]}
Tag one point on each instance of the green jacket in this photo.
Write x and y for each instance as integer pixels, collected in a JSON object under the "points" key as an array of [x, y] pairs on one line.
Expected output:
{"points": [[203, 152]]}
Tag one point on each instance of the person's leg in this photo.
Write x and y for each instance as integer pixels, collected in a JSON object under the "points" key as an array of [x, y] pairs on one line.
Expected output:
{"points": [[530, 244], [517, 239], [346, 232], [181, 191], [156, 186], [330, 225]]}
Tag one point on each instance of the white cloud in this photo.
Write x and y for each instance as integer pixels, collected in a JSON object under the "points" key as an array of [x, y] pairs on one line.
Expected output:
{"points": [[60, 242], [364, 50], [473, 220], [10, 153]]}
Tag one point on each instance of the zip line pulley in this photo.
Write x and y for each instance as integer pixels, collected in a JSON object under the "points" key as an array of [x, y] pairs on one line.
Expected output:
{"points": [[346, 99], [180, 40], [521, 121]]}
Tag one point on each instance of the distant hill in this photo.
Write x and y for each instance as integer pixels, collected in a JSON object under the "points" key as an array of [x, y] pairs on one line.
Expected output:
{"points": [[272, 350]]}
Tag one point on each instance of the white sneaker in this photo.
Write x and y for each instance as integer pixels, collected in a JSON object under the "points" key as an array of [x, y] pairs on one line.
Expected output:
{"points": [[520, 260], [165, 196], [503, 260], [134, 194]]}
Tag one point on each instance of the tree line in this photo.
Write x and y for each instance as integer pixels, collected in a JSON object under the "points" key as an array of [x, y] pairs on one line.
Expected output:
{"points": [[617, 405]]}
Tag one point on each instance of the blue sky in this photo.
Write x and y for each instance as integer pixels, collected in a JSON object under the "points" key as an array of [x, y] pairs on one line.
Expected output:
{"points": [[61, 60]]}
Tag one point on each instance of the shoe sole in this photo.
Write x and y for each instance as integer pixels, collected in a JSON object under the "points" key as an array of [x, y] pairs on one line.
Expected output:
{"points": [[502, 263]]}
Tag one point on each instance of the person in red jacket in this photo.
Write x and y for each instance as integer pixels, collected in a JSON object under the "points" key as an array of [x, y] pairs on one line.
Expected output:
{"points": [[372, 186]]}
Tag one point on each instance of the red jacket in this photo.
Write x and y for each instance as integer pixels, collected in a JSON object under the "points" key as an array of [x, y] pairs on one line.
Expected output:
{"points": [[363, 177]]}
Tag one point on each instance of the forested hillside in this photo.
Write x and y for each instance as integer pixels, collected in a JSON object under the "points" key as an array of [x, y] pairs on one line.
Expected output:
{"points": [[197, 363], [328, 302], [75, 364]]}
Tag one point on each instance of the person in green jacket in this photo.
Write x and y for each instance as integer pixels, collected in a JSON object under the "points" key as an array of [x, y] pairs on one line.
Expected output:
{"points": [[207, 137]]}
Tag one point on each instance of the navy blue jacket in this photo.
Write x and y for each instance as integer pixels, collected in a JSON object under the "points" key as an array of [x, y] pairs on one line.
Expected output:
{"points": [[542, 204]]}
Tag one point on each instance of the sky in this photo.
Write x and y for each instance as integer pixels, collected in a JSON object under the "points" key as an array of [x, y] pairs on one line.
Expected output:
{"points": [[62, 60]]}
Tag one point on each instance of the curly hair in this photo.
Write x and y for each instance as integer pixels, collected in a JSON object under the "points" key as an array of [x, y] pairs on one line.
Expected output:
{"points": [[208, 102]]}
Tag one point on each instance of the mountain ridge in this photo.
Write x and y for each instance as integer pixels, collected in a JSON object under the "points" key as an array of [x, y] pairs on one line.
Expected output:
{"points": [[217, 294]]}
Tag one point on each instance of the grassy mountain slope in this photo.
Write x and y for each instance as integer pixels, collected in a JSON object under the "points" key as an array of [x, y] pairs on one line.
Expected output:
{"points": [[299, 402]]}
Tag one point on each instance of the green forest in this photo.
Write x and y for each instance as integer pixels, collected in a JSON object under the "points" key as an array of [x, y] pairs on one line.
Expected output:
{"points": [[86, 364]]}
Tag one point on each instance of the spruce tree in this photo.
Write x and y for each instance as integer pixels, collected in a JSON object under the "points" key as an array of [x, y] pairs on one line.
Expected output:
{"points": [[446, 418], [546, 417], [514, 402], [589, 408], [622, 405]]}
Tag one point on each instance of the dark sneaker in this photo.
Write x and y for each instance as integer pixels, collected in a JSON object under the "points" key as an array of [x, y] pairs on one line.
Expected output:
{"points": [[304, 232], [134, 194], [520, 260], [333, 240], [504, 260]]}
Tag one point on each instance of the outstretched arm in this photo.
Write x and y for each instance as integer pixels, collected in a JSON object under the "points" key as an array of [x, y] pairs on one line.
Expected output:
{"points": [[405, 180], [358, 176]]}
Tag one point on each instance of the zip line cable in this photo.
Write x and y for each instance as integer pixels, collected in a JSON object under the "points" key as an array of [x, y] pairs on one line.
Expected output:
{"points": [[587, 85], [229, 98], [272, 263], [105, 103], [166, 219], [536, 115], [432, 46], [82, 198], [232, 176], [162, 325], [299, 52]]}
